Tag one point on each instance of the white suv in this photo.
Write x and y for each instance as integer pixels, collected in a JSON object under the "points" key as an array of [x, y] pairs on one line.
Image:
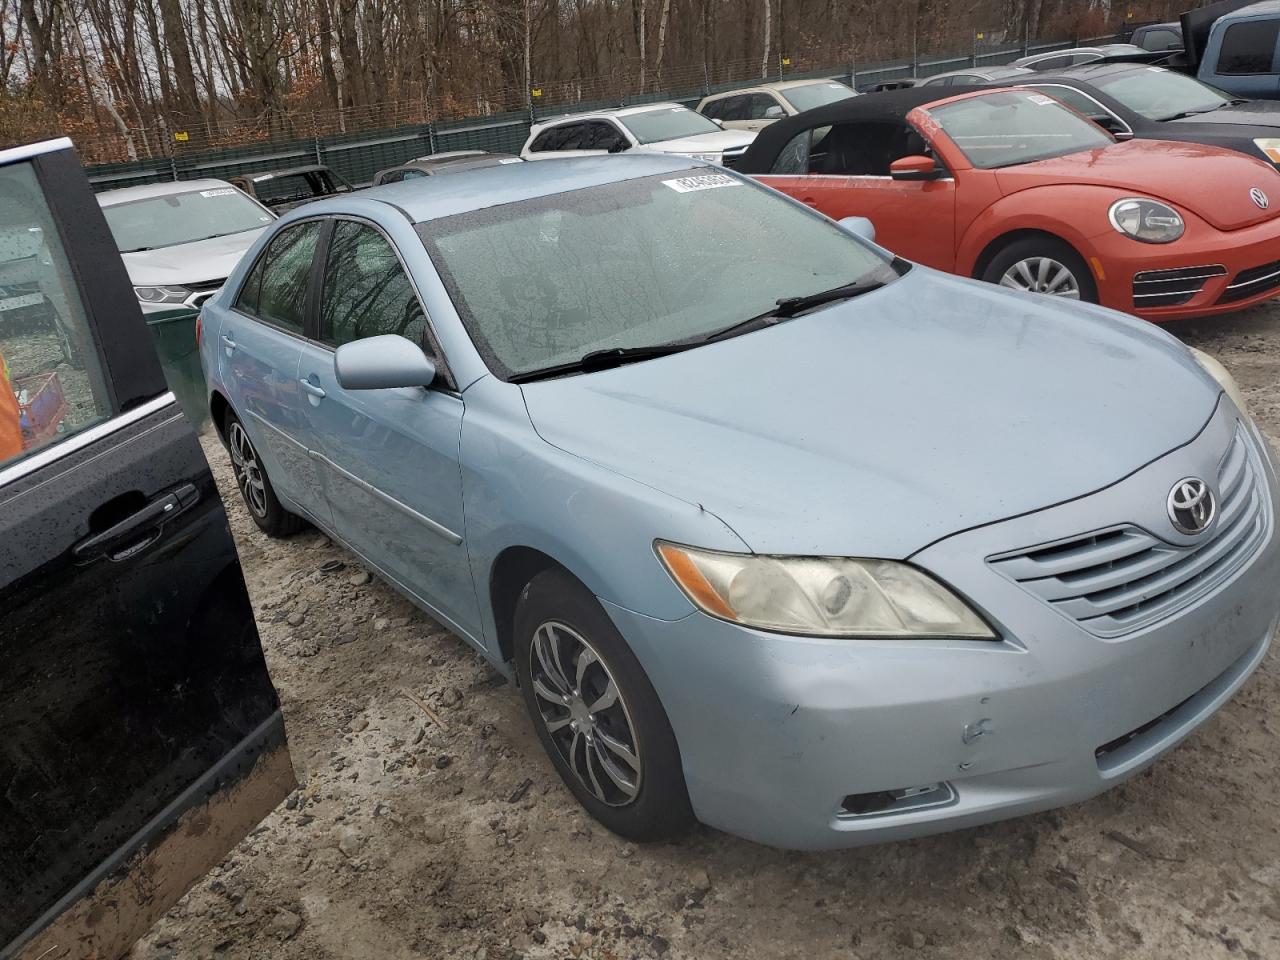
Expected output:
{"points": [[653, 128], [754, 108]]}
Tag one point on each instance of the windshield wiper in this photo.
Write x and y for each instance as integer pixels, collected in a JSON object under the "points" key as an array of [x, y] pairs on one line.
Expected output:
{"points": [[790, 306], [1193, 113], [604, 360]]}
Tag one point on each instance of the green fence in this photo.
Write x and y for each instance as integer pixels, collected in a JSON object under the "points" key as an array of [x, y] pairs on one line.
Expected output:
{"points": [[358, 156]]}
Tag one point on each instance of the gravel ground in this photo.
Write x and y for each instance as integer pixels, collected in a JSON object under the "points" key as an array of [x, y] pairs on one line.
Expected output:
{"points": [[413, 837]]}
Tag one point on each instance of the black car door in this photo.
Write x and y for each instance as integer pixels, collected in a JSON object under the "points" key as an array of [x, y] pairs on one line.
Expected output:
{"points": [[142, 737]]}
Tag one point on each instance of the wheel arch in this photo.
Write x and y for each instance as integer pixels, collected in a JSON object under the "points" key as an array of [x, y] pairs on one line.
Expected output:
{"points": [[218, 407], [511, 571], [997, 244]]}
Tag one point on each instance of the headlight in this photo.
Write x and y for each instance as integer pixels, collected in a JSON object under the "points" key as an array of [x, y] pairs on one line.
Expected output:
{"points": [[1147, 220], [1225, 380], [1269, 146], [821, 596], [162, 294]]}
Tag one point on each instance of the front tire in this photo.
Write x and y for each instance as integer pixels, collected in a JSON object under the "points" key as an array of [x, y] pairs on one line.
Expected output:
{"points": [[596, 713], [255, 486], [1042, 265]]}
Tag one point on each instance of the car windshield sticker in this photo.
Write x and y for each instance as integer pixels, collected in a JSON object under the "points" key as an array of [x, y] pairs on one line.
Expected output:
{"points": [[706, 181], [219, 192], [1040, 98], [511, 160]]}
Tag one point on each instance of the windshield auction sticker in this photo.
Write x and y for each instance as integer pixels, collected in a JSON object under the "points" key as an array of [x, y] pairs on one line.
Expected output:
{"points": [[705, 181], [218, 192]]}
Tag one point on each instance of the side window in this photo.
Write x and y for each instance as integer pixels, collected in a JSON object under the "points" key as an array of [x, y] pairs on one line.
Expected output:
{"points": [[1079, 58], [395, 176], [1050, 63], [864, 149], [965, 80], [758, 105], [412, 174], [1159, 40], [544, 140], [735, 108], [286, 267], [713, 110], [1074, 99], [939, 82], [248, 298], [51, 380], [366, 292], [1248, 47], [601, 136], [793, 159]]}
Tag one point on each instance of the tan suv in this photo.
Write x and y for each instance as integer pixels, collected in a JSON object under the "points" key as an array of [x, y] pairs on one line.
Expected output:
{"points": [[754, 108]]}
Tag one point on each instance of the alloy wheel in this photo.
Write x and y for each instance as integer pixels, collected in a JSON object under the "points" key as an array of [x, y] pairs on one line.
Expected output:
{"points": [[1042, 275], [583, 711], [244, 460]]}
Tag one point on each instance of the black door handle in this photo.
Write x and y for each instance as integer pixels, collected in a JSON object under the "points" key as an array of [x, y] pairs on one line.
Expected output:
{"points": [[137, 531]]}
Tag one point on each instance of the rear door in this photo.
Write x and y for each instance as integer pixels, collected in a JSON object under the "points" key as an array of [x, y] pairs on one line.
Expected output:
{"points": [[142, 735]]}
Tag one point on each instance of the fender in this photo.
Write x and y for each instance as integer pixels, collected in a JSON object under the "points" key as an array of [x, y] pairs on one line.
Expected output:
{"points": [[1037, 209]]}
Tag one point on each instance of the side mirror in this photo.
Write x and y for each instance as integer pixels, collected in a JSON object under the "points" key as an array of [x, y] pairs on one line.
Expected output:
{"points": [[859, 227], [915, 168], [717, 121], [377, 363], [619, 146], [774, 113]]}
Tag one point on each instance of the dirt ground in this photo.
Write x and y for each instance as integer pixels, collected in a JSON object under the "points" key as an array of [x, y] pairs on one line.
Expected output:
{"points": [[417, 839]]}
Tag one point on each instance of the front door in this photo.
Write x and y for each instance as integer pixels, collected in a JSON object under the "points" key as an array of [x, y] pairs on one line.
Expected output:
{"points": [[142, 737], [389, 458], [843, 171]]}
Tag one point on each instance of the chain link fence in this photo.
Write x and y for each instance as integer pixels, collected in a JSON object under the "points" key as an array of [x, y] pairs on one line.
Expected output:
{"points": [[389, 134]]}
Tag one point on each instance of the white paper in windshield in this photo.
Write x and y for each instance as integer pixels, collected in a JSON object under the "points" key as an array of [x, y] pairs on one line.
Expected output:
{"points": [[219, 192], [704, 181], [1040, 99]]}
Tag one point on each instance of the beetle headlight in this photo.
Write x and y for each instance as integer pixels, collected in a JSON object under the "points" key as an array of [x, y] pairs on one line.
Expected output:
{"points": [[1147, 220], [162, 294], [1225, 380], [821, 596], [1270, 146]]}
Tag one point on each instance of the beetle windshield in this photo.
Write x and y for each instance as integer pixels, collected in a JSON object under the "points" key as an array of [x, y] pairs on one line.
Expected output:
{"points": [[175, 218], [667, 123], [1159, 94], [1006, 128], [666, 259]]}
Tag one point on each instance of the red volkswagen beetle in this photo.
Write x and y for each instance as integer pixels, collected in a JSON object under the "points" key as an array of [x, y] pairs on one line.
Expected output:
{"points": [[1013, 187]]}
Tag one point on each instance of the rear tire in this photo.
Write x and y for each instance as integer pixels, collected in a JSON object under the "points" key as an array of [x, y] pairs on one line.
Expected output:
{"points": [[596, 713], [1042, 265], [255, 486]]}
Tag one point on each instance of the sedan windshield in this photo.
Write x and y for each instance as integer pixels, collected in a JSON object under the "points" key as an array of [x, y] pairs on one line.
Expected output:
{"points": [[1158, 94], [667, 259], [667, 123], [817, 94], [1012, 127], [175, 218]]}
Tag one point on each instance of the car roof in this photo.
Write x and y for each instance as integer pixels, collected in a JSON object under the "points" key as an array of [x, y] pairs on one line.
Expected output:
{"points": [[109, 198], [991, 73], [1266, 6], [285, 172], [615, 112], [777, 87], [461, 159], [1090, 71], [477, 188]]}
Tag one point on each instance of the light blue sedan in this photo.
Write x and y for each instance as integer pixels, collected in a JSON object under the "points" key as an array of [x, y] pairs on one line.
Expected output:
{"points": [[774, 530]]}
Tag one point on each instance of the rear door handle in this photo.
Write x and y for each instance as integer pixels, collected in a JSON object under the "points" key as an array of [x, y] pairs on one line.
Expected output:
{"points": [[228, 343], [137, 531], [314, 389], [809, 201]]}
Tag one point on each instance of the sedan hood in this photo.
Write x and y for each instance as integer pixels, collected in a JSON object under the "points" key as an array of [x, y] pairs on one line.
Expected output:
{"points": [[716, 142], [876, 426], [185, 263], [1252, 113], [1211, 182]]}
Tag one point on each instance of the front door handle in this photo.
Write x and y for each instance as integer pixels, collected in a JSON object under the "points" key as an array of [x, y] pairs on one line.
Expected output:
{"points": [[130, 536], [314, 389]]}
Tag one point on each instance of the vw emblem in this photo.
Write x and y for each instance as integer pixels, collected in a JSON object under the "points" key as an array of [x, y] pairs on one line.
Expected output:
{"points": [[1259, 198], [1191, 506]]}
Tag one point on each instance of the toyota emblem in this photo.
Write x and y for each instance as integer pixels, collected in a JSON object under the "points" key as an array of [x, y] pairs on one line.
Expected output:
{"points": [[1259, 198], [1191, 506]]}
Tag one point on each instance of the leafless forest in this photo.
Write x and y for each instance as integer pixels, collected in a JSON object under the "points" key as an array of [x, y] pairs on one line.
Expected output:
{"points": [[130, 78]]}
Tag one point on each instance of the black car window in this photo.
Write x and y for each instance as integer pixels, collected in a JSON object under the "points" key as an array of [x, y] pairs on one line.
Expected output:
{"points": [[735, 108], [758, 105], [714, 109], [1050, 63], [553, 138], [413, 174], [864, 149], [366, 291], [1074, 99], [1248, 47], [1160, 39], [966, 80], [283, 270], [391, 176], [51, 378], [601, 135]]}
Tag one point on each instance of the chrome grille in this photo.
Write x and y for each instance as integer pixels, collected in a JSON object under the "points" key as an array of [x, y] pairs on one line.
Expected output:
{"points": [[1116, 580], [1171, 288], [1250, 283]]}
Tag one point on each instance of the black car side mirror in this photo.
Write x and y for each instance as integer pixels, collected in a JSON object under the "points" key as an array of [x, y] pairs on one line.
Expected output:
{"points": [[619, 146]]}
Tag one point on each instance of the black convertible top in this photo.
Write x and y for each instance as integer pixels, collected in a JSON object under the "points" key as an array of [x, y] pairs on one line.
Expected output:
{"points": [[890, 105]]}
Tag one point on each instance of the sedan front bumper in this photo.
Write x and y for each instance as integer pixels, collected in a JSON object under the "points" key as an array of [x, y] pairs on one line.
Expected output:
{"points": [[777, 732]]}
